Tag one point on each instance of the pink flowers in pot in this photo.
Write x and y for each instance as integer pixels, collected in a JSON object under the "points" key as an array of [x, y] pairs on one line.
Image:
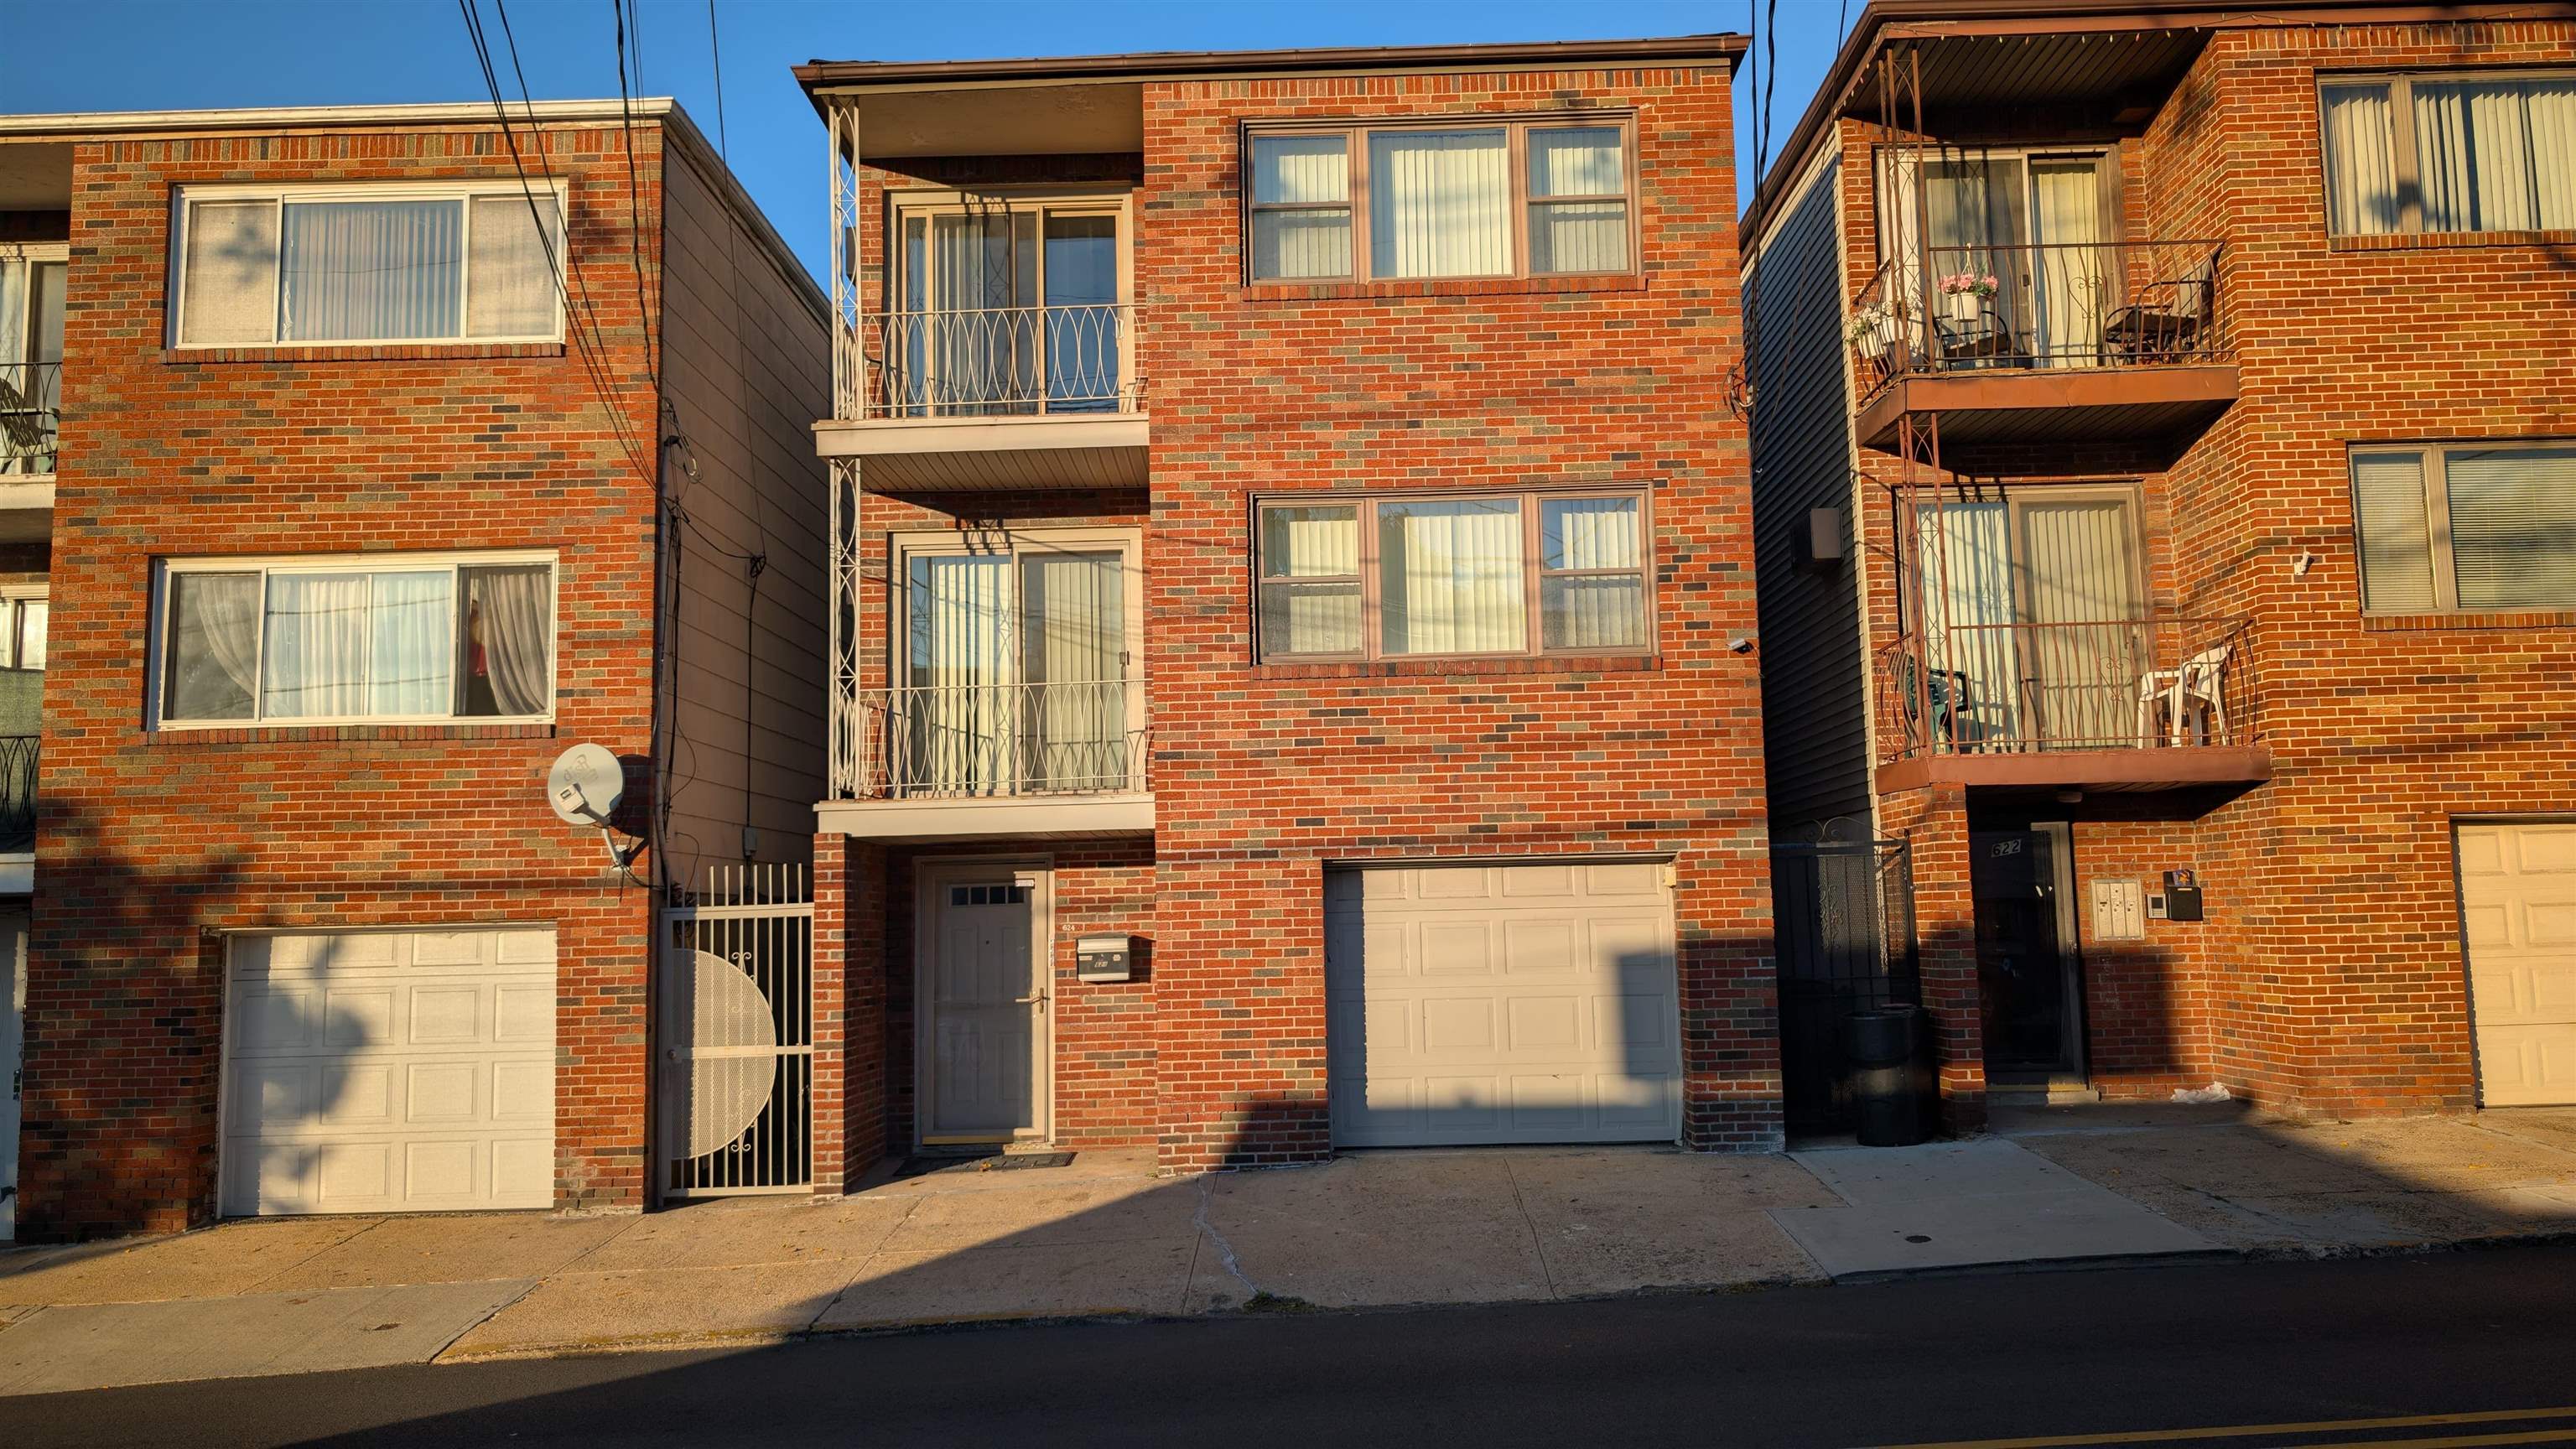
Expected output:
{"points": [[1969, 284]]}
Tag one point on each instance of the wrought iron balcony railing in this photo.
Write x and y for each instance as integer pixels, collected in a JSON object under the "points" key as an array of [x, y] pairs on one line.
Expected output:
{"points": [[17, 794], [2124, 684], [30, 406], [965, 741], [996, 362], [2068, 305]]}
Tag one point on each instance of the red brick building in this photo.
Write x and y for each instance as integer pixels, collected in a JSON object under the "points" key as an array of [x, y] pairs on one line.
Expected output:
{"points": [[2162, 453], [352, 523], [1293, 679]]}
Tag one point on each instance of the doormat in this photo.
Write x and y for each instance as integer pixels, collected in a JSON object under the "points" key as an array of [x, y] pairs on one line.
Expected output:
{"points": [[995, 1160]]}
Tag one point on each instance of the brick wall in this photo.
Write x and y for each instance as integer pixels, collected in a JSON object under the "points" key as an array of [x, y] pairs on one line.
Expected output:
{"points": [[154, 843]]}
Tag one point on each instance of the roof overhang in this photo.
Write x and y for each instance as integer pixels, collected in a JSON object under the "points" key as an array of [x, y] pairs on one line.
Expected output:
{"points": [[2075, 65]]}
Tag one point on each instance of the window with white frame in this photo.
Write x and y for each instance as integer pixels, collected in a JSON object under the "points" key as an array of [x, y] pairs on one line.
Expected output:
{"points": [[1460, 197], [2466, 527], [374, 263], [354, 639], [2447, 152], [23, 617], [1403, 575]]}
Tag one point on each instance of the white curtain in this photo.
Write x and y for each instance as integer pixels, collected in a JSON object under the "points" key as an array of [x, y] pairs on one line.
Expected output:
{"points": [[1577, 236], [1310, 543], [2496, 155], [2073, 272], [2361, 162], [2513, 527], [2082, 664], [510, 635], [982, 351], [511, 285], [2396, 534], [1964, 208], [1073, 655], [954, 731], [315, 665], [212, 658], [1301, 171], [362, 270], [228, 279], [410, 668], [1966, 568], [1439, 203], [1600, 610], [1452, 577]]}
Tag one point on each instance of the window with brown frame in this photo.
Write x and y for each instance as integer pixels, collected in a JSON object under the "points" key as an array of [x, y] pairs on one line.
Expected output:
{"points": [[1400, 575], [1456, 197], [2443, 151]]}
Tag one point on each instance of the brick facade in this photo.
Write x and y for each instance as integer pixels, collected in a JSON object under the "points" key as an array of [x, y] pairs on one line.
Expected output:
{"points": [[2328, 977], [1263, 774]]}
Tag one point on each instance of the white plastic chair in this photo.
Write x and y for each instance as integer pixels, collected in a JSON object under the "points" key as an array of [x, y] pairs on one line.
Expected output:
{"points": [[2190, 697]]}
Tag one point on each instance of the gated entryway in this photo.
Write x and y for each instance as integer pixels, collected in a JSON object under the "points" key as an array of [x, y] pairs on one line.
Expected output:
{"points": [[1845, 913], [737, 1029]]}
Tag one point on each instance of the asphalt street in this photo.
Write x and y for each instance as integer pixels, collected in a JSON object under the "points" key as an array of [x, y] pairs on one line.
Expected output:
{"points": [[2456, 1349]]}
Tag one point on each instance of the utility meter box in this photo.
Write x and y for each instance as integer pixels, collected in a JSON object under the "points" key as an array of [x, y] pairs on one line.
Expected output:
{"points": [[1104, 958]]}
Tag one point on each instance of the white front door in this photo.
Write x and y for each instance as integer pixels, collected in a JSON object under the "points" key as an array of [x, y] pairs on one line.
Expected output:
{"points": [[390, 1071], [985, 998], [13, 949], [2518, 913], [1506, 1003]]}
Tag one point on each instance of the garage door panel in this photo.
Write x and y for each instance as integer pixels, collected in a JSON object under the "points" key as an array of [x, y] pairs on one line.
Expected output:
{"points": [[1532, 1048], [383, 1072], [2518, 919]]}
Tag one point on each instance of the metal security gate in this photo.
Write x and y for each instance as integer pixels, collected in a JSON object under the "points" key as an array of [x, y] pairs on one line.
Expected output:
{"points": [[737, 1030], [1846, 940]]}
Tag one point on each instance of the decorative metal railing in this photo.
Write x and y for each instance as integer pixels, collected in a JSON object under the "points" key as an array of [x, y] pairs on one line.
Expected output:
{"points": [[953, 741], [996, 362], [17, 794], [2118, 684], [2068, 305], [30, 413]]}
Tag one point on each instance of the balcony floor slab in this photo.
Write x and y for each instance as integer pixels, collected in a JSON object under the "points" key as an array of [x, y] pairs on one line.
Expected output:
{"points": [[1019, 817], [2179, 767], [993, 454]]}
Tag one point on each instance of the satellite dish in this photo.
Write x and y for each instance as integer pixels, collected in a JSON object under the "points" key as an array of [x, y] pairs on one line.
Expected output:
{"points": [[585, 786]]}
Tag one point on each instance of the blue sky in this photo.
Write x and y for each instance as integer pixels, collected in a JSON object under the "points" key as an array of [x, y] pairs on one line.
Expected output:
{"points": [[159, 54]]}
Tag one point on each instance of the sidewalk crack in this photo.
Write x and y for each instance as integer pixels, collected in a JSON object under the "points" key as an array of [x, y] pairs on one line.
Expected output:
{"points": [[1224, 1250], [1545, 1272]]}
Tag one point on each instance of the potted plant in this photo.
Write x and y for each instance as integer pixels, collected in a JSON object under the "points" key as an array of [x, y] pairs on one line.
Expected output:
{"points": [[1968, 292]]}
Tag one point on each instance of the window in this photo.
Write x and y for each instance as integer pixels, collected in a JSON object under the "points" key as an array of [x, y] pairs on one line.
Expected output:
{"points": [[320, 641], [2465, 527], [2450, 154], [1492, 199], [1397, 576], [367, 264], [1008, 305], [22, 631], [31, 356]]}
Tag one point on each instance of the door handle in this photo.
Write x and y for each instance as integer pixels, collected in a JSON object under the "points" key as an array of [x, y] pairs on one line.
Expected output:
{"points": [[1038, 1000]]}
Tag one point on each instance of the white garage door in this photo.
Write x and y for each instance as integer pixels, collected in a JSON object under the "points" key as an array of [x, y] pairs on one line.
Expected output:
{"points": [[2518, 911], [1521, 1003], [384, 1071]]}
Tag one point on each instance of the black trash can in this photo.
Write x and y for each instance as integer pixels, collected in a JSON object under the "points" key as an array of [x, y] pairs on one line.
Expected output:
{"points": [[1889, 1053]]}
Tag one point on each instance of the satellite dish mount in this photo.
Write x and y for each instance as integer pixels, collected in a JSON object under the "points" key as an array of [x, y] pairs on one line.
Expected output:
{"points": [[585, 787]]}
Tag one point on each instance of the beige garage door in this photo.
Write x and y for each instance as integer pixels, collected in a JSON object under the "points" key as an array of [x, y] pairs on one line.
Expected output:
{"points": [[390, 1071], [1520, 1003], [2518, 913]]}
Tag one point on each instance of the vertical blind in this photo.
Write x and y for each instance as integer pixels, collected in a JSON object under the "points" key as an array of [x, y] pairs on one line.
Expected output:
{"points": [[1439, 203], [2396, 532], [1074, 648], [1310, 597], [1604, 605], [2071, 271], [1451, 577], [355, 270], [961, 642], [1966, 565], [1306, 172], [2360, 161], [2489, 155], [1577, 236]]}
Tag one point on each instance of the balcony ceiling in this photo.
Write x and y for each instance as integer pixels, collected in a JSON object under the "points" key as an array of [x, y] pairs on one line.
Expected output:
{"points": [[959, 120], [1966, 72], [35, 176]]}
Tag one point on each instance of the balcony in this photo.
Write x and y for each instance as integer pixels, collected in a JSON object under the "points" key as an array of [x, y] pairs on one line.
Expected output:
{"points": [[2160, 703], [2012, 346], [992, 399], [17, 814], [1034, 759]]}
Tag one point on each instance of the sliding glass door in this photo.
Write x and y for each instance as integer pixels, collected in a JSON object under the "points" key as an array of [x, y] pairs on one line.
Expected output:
{"points": [[1016, 675], [2010, 250], [1008, 307], [2031, 613]]}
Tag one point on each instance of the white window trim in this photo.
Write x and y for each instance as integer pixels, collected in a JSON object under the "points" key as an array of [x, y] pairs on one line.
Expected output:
{"points": [[2436, 467], [27, 594], [156, 663], [185, 197], [2403, 162]]}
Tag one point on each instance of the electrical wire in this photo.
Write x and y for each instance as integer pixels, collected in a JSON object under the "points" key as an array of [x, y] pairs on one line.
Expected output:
{"points": [[634, 182]]}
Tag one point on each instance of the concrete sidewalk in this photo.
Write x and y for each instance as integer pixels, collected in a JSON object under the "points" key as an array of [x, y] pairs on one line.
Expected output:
{"points": [[1105, 1236]]}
